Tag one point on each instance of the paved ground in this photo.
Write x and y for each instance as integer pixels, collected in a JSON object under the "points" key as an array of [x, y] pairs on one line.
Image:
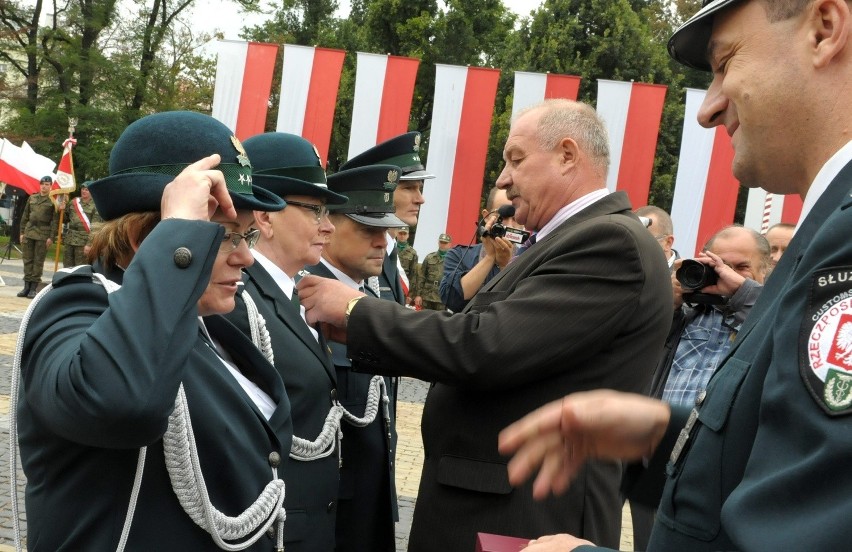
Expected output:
{"points": [[410, 407]]}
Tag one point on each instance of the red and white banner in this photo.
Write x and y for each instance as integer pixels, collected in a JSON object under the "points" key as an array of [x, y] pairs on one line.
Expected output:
{"points": [[243, 85], [378, 115], [309, 83], [705, 194], [22, 167], [531, 88], [631, 112], [64, 183], [764, 209], [458, 144]]}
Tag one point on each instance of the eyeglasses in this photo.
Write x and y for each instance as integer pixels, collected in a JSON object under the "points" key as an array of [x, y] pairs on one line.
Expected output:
{"points": [[320, 211], [231, 240]]}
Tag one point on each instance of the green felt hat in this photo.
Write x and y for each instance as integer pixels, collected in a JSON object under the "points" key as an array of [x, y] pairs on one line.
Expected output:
{"points": [[402, 151], [370, 194]]}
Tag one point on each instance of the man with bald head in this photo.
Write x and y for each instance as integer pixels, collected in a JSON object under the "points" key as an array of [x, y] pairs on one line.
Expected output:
{"points": [[660, 226], [584, 303]]}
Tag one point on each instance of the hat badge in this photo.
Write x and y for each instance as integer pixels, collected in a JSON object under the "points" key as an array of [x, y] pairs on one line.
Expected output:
{"points": [[393, 176], [417, 143], [242, 158]]}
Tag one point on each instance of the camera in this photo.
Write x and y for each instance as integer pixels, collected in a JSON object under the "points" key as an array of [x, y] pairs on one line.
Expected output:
{"points": [[500, 230], [695, 275]]}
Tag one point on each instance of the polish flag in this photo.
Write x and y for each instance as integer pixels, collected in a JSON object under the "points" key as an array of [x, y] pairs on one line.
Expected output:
{"points": [[705, 194], [764, 209], [531, 88], [64, 183], [243, 85], [310, 79], [379, 115], [22, 167], [458, 143], [631, 112]]}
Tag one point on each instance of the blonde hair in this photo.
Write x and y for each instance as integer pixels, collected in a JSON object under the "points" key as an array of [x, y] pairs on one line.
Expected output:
{"points": [[114, 243]]}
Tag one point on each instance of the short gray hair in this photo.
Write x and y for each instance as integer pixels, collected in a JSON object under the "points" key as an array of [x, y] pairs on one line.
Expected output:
{"points": [[561, 118]]}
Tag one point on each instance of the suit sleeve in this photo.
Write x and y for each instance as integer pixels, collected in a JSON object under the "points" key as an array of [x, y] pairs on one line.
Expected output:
{"points": [[104, 370], [545, 316]]}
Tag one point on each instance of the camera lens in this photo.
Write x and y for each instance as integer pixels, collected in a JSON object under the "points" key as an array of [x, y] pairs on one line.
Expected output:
{"points": [[695, 275], [498, 230]]}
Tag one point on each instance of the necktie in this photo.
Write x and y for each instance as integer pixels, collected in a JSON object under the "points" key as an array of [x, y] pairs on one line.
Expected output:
{"points": [[526, 245], [295, 299]]}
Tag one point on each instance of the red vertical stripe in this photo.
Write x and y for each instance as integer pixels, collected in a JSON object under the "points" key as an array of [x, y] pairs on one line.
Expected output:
{"points": [[792, 209], [322, 97], [720, 194], [469, 167], [397, 95], [561, 86], [640, 141], [257, 85]]}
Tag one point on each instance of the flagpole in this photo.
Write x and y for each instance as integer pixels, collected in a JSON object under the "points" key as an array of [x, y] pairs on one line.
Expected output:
{"points": [[72, 124]]}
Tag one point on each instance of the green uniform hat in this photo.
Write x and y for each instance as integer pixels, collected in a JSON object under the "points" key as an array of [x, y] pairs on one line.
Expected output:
{"points": [[445, 238], [370, 192], [402, 151], [688, 44], [152, 151], [287, 164]]}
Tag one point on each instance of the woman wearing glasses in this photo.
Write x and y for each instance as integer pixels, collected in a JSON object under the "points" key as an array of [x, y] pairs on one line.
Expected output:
{"points": [[289, 166], [145, 419]]}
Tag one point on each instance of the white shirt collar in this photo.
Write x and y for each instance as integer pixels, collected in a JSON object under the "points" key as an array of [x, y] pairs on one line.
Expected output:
{"points": [[570, 210], [826, 174], [341, 276], [284, 281]]}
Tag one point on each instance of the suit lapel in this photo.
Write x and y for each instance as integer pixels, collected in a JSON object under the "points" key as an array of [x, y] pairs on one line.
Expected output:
{"points": [[285, 310], [390, 275]]}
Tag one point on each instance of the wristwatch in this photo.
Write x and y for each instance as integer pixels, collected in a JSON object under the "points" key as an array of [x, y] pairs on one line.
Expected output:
{"points": [[349, 306]]}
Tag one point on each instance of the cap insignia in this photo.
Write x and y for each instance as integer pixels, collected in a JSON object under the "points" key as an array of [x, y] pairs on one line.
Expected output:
{"points": [[242, 158], [417, 143], [387, 197], [393, 176]]}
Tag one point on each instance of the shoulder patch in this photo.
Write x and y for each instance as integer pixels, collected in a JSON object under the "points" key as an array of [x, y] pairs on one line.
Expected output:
{"points": [[825, 340]]}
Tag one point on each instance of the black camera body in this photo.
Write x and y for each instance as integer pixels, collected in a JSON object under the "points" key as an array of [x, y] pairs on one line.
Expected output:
{"points": [[499, 230], [696, 275]]}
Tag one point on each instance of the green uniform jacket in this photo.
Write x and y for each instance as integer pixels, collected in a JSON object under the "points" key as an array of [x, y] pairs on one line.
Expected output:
{"points": [[408, 259], [431, 272], [99, 376], [39, 220], [77, 234]]}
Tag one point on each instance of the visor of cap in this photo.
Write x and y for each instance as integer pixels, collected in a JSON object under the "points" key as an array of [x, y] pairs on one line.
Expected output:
{"points": [[688, 44]]}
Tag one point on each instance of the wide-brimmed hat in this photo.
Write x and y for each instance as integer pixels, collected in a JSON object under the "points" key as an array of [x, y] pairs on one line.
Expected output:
{"points": [[402, 151], [370, 194], [688, 44], [287, 164], [152, 151]]}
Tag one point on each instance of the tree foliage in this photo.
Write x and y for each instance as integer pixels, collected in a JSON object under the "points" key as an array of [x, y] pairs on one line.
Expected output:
{"points": [[108, 63]]}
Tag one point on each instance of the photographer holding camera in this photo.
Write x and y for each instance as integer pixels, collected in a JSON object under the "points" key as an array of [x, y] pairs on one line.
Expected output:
{"points": [[713, 294]]}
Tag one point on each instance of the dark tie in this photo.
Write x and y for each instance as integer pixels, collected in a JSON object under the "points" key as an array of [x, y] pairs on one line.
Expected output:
{"points": [[526, 245]]}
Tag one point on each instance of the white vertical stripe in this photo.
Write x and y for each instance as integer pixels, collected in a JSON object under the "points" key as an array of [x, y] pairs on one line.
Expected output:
{"points": [[613, 104], [297, 66], [450, 82], [367, 106], [230, 67], [754, 209], [696, 148], [529, 90]]}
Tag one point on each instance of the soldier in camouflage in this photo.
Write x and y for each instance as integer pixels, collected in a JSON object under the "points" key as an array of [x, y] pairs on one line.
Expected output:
{"points": [[431, 272], [38, 226], [408, 261], [83, 221]]}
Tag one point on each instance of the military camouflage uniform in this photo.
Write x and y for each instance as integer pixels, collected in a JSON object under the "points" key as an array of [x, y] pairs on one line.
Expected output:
{"points": [[431, 272], [408, 260], [38, 224], [76, 237]]}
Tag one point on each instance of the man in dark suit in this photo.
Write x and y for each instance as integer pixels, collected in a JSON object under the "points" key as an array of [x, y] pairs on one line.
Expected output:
{"points": [[291, 239], [572, 313], [367, 507], [403, 151], [759, 463]]}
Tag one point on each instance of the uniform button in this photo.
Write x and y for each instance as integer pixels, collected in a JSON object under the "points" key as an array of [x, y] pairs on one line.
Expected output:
{"points": [[183, 257], [330, 507], [274, 459], [334, 394], [700, 398]]}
